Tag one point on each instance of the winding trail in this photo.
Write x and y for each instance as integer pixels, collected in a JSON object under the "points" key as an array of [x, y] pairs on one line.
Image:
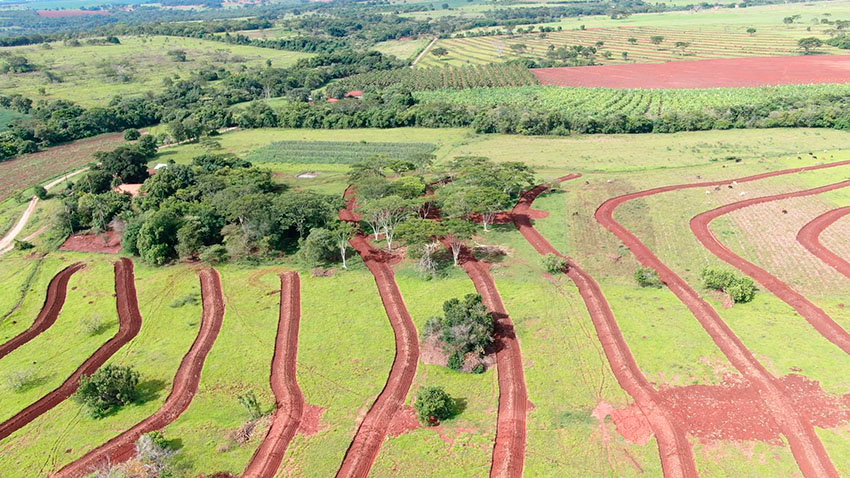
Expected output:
{"points": [[808, 451], [814, 315], [509, 448], [129, 324], [57, 291], [366, 445], [185, 385], [809, 237], [7, 242], [675, 450], [288, 397]]}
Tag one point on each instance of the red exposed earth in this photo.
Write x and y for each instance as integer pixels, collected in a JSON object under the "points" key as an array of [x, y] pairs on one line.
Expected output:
{"points": [[108, 242], [726, 72]]}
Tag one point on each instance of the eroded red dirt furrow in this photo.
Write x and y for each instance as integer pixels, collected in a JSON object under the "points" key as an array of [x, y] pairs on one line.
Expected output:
{"points": [[509, 448], [364, 448], [806, 447], [809, 237], [820, 320], [185, 385], [129, 324], [288, 397], [57, 291], [675, 450]]}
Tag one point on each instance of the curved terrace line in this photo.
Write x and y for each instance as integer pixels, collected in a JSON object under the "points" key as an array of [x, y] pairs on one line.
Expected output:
{"points": [[809, 237]]}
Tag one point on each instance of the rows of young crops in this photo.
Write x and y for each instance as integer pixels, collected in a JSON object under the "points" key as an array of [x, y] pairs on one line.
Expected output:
{"points": [[636, 42], [601, 102], [335, 152], [487, 76]]}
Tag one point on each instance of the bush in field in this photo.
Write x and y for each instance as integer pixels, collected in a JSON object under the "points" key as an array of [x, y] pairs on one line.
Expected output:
{"points": [[554, 264], [108, 388], [466, 327], [646, 277], [39, 192], [741, 289], [433, 404], [132, 134], [251, 404], [215, 254], [93, 325], [21, 380], [23, 245]]}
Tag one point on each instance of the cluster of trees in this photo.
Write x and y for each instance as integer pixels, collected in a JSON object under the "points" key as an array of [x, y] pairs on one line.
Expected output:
{"points": [[220, 207], [740, 289], [463, 332]]}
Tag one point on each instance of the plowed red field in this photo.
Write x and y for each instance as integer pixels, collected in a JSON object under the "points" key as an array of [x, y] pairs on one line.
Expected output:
{"points": [[727, 72]]}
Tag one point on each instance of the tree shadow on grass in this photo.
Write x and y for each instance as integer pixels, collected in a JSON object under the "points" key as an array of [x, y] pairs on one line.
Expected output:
{"points": [[458, 407], [150, 390]]}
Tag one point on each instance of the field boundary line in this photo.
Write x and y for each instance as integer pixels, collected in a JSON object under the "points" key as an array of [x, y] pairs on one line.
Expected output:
{"points": [[809, 237], [424, 52]]}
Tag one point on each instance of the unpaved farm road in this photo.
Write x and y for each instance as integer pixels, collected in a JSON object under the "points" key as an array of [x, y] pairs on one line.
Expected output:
{"points": [[808, 450], [7, 242], [509, 448], [820, 320], [57, 291], [185, 385], [129, 324], [288, 397], [809, 237], [370, 435], [677, 459]]}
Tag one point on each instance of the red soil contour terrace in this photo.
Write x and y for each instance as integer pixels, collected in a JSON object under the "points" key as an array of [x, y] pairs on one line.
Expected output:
{"points": [[509, 449], [809, 237], [57, 290], [122, 447], [819, 319], [677, 458], [806, 447], [364, 448], [726, 72], [129, 324], [290, 401]]}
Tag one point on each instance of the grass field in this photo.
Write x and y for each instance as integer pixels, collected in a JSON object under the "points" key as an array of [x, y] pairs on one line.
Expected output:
{"points": [[704, 43], [402, 49], [93, 74], [336, 152], [6, 116]]}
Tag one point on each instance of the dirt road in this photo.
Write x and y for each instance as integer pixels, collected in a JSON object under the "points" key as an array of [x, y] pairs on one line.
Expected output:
{"points": [[509, 449], [809, 237], [57, 290], [820, 320], [806, 446], [288, 397], [184, 387], [129, 324], [675, 450]]}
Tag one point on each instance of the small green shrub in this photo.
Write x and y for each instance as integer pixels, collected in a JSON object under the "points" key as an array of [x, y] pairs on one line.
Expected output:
{"points": [[107, 389], [554, 264], [455, 361], [215, 254], [646, 277], [740, 289], [23, 245], [250, 402], [93, 325], [39, 192], [191, 299], [20, 380], [433, 404]]}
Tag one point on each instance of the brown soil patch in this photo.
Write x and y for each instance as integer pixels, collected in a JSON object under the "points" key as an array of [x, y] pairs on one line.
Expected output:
{"points": [[311, 420], [131, 189], [404, 421], [106, 243]]}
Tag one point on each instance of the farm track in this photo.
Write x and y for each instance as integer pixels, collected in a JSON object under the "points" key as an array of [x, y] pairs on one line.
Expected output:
{"points": [[814, 315], [185, 385], [675, 450], [130, 323], [288, 397], [809, 237], [366, 445], [806, 447], [511, 425], [57, 291]]}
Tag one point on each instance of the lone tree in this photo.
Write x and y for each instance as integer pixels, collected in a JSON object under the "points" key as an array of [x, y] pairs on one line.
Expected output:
{"points": [[439, 52], [809, 44], [433, 404], [457, 233], [519, 47], [751, 31], [633, 40], [682, 45], [656, 39], [466, 327], [108, 388]]}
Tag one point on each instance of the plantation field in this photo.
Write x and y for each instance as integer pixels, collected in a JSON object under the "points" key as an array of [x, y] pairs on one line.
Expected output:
{"points": [[93, 74], [30, 169], [635, 42], [335, 152], [485, 76], [402, 49]]}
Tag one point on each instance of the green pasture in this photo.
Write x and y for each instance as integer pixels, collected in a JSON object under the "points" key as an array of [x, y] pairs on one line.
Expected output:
{"points": [[402, 49], [93, 74], [6, 117]]}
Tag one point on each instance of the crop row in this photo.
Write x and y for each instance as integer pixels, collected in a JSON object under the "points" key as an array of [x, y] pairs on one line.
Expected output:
{"points": [[339, 152], [487, 76]]}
